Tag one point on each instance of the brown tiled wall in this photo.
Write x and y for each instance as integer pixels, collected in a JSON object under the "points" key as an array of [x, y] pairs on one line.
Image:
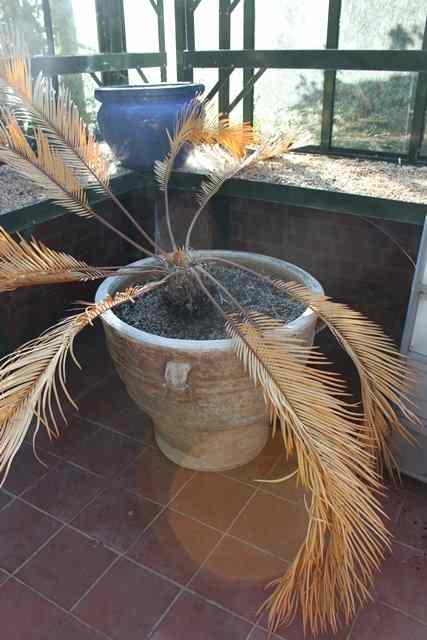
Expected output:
{"points": [[182, 207], [355, 262], [28, 312]]}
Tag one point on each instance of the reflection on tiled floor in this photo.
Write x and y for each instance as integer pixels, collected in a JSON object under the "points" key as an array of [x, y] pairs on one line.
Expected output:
{"points": [[110, 540]]}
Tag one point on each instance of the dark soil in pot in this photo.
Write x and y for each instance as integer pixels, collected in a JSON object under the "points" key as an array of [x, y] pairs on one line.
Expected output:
{"points": [[154, 314]]}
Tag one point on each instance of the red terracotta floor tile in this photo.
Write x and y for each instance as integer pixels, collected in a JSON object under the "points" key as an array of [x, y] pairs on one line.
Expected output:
{"points": [[71, 435], [133, 423], [175, 546], [213, 499], [66, 567], [411, 527], [117, 518], [105, 453], [260, 467], [273, 524], [192, 618], [25, 615], [414, 486], [153, 476], [127, 602], [22, 531], [402, 581], [287, 489], [260, 634], [4, 499], [96, 365], [105, 401], [64, 491], [26, 469], [3, 576], [236, 575], [392, 504], [378, 622]]}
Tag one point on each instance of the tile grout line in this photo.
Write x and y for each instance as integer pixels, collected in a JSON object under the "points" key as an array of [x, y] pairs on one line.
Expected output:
{"points": [[401, 611], [230, 535], [63, 524], [122, 555], [33, 484], [13, 575], [256, 491], [69, 525], [410, 547], [57, 606], [186, 589], [117, 432], [61, 457]]}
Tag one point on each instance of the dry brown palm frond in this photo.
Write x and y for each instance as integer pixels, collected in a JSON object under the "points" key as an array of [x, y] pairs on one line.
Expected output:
{"points": [[190, 118], [32, 378], [56, 115], [383, 373], [24, 264], [280, 144], [58, 118], [15, 70], [222, 166], [195, 128], [189, 121], [233, 137], [332, 572], [45, 167]]}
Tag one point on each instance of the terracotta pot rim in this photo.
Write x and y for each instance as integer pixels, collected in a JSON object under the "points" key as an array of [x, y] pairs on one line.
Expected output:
{"points": [[112, 284]]}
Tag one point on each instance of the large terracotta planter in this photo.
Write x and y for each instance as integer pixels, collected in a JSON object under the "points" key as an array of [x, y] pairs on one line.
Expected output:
{"points": [[207, 414]]}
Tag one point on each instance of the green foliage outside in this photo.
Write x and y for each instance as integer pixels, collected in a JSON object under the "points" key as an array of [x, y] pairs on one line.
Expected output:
{"points": [[369, 113], [27, 15]]}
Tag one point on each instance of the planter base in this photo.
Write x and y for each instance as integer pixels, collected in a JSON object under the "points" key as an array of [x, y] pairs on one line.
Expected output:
{"points": [[217, 450]]}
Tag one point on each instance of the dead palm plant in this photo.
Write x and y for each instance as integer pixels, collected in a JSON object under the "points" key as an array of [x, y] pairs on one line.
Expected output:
{"points": [[339, 453]]}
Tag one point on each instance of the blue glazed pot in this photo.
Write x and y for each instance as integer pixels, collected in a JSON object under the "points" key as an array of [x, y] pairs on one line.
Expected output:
{"points": [[134, 119]]}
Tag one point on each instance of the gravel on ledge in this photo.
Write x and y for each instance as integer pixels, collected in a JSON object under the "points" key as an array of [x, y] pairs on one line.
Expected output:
{"points": [[17, 192], [378, 179], [402, 183]]}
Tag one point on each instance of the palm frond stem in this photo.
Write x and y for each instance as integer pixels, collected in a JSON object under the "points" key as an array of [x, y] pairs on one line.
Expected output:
{"points": [[224, 289]]}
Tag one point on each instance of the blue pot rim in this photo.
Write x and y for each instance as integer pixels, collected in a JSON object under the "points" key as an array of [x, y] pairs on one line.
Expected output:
{"points": [[149, 91]]}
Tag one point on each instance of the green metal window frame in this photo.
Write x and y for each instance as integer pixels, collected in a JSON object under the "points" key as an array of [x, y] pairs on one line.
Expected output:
{"points": [[113, 61], [255, 62]]}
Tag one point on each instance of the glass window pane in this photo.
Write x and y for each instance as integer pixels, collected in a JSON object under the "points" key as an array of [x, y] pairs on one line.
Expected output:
{"points": [[424, 144], [152, 75], [208, 77], [82, 88], [27, 18], [290, 97], [286, 24], [74, 26], [236, 30], [141, 26], [383, 24], [206, 25], [419, 336], [372, 110], [424, 279]]}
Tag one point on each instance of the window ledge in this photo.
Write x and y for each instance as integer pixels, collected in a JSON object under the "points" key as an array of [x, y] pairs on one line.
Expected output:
{"points": [[343, 185]]}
